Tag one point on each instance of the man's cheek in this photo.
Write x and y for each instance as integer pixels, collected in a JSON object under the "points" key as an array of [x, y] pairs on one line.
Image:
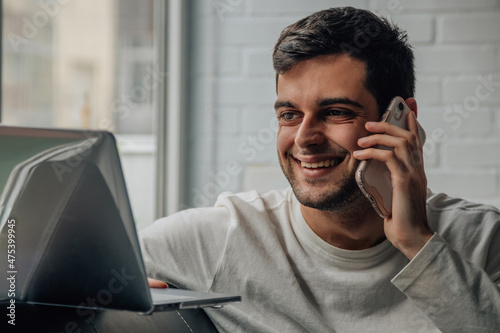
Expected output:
{"points": [[284, 141]]}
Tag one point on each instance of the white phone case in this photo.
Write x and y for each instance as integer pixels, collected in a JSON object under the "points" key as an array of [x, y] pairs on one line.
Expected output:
{"points": [[373, 177]]}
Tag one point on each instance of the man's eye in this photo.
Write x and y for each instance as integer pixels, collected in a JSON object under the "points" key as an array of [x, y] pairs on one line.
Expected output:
{"points": [[287, 116], [338, 113]]}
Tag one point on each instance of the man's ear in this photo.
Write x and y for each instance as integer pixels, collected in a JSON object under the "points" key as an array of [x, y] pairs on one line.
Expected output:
{"points": [[412, 104]]}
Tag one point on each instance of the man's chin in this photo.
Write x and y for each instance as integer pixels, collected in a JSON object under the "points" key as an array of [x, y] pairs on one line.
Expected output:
{"points": [[346, 197], [331, 203], [321, 194]]}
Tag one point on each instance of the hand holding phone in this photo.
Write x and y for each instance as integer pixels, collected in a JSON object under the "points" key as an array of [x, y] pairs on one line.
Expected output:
{"points": [[372, 176]]}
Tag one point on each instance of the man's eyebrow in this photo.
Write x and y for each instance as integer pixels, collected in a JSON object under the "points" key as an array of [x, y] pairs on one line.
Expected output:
{"points": [[322, 102], [284, 104], [338, 100]]}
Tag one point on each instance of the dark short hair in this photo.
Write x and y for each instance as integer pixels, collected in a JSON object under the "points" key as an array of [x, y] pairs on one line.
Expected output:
{"points": [[359, 33]]}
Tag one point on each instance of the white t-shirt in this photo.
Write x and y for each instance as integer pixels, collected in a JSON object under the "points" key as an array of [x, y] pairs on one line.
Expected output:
{"points": [[260, 247]]}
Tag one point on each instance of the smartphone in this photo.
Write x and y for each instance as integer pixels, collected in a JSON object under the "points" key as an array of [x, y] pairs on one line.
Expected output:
{"points": [[373, 177]]}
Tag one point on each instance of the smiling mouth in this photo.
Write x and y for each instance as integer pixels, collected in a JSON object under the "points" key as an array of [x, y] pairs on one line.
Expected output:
{"points": [[322, 164]]}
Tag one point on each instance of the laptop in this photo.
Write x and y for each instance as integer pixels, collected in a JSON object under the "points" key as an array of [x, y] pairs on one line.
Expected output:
{"points": [[67, 234]]}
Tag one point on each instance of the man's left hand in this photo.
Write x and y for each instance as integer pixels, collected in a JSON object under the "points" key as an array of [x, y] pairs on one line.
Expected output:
{"points": [[407, 227]]}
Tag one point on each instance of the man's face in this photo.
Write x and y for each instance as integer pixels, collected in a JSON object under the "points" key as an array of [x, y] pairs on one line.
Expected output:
{"points": [[322, 107]]}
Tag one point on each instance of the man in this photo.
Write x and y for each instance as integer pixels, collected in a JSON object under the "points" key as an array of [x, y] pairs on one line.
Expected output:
{"points": [[317, 257]]}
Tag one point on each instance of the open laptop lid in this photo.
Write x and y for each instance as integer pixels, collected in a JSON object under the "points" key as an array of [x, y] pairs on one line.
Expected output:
{"points": [[65, 209], [65, 212]]}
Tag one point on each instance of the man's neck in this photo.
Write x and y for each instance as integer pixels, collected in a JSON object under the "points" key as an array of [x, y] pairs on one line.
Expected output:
{"points": [[358, 230]]}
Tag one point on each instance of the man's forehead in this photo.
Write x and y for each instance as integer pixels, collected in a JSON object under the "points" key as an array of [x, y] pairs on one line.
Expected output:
{"points": [[345, 63], [324, 81], [323, 72]]}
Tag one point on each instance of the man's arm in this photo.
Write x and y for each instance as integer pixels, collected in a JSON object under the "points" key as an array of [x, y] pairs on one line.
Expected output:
{"points": [[456, 294], [184, 249]]}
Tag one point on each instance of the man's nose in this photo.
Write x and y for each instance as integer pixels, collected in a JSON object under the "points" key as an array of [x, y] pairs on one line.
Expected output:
{"points": [[310, 133]]}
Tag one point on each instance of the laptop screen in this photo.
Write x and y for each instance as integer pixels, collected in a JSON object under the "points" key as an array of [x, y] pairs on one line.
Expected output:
{"points": [[65, 212]]}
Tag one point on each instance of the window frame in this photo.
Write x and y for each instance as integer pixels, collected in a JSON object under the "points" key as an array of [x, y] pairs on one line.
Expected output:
{"points": [[171, 26]]}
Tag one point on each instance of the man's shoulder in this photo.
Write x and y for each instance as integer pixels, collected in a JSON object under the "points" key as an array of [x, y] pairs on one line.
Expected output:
{"points": [[228, 204], [252, 209], [269, 200]]}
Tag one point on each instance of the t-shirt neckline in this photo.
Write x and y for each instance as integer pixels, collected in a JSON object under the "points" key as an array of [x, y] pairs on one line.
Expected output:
{"points": [[309, 238]]}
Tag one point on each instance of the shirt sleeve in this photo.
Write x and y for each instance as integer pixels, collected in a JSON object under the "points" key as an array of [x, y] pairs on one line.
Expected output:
{"points": [[457, 295], [185, 249]]}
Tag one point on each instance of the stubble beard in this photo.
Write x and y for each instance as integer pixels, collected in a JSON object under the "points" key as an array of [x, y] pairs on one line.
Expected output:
{"points": [[343, 197]]}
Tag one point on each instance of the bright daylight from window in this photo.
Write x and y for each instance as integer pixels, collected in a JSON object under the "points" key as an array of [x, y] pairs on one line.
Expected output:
{"points": [[86, 64]]}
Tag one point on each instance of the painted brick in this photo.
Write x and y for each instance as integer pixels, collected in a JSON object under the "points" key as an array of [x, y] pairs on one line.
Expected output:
{"points": [[431, 154], [227, 147], [472, 154], [258, 63], [468, 185], [228, 121], [223, 9], [254, 148], [228, 175], [205, 191], [431, 161], [263, 178], [484, 88], [256, 119], [432, 5], [443, 123], [474, 28], [420, 28], [267, 7], [456, 59], [246, 91], [387, 8], [428, 91], [229, 61], [251, 31]]}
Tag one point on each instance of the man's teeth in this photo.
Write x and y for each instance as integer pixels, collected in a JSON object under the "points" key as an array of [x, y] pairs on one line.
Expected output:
{"points": [[322, 164]]}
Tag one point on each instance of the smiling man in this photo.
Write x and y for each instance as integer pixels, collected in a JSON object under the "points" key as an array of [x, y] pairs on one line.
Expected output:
{"points": [[317, 257], [322, 108]]}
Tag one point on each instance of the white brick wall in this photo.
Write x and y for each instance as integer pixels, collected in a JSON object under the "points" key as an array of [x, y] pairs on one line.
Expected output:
{"points": [[431, 6], [457, 49], [469, 28]]}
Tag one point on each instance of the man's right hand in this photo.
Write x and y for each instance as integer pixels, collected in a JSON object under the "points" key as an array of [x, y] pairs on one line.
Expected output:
{"points": [[157, 283]]}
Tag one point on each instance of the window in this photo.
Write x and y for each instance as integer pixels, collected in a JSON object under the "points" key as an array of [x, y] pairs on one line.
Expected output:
{"points": [[88, 64]]}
